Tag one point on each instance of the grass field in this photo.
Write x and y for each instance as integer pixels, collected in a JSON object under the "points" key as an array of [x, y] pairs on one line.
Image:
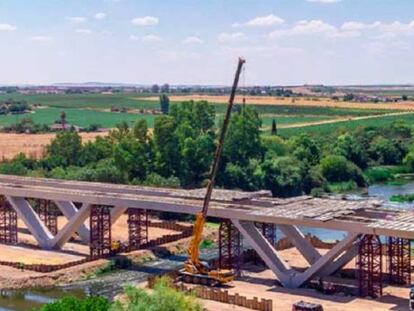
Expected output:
{"points": [[329, 129], [79, 117], [86, 109]]}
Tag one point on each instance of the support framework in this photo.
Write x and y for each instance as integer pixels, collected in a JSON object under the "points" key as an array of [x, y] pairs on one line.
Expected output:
{"points": [[8, 223], [48, 214], [369, 266], [399, 261], [230, 246], [268, 231], [100, 226], [137, 228]]}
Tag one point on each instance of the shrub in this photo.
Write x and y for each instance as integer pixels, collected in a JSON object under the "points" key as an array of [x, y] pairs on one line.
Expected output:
{"points": [[338, 169], [71, 303], [163, 298]]}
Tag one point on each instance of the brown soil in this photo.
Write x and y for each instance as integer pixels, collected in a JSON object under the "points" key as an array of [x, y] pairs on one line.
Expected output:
{"points": [[27, 252], [313, 102], [33, 145]]}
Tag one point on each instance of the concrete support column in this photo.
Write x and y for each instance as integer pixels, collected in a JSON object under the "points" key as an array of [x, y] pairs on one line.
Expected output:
{"points": [[298, 239], [265, 250], [69, 210], [71, 227], [32, 221]]}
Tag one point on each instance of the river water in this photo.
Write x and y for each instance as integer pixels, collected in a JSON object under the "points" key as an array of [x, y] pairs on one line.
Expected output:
{"points": [[111, 284]]}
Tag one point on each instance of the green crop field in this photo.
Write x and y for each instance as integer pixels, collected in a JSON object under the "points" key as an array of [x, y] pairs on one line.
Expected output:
{"points": [[79, 117], [87, 109], [99, 101], [327, 129]]}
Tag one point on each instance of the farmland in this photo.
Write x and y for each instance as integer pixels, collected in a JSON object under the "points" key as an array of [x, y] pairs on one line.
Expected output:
{"points": [[94, 109]]}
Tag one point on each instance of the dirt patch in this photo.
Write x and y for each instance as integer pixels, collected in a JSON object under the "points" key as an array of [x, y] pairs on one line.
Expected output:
{"points": [[33, 145], [282, 101]]}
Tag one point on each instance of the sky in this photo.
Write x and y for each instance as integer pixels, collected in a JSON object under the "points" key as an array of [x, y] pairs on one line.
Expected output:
{"points": [[285, 42]]}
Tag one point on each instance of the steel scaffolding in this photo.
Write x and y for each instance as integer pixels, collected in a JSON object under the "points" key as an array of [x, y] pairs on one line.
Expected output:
{"points": [[268, 231], [369, 266], [137, 228], [230, 246], [399, 261], [47, 212], [8, 223], [100, 231]]}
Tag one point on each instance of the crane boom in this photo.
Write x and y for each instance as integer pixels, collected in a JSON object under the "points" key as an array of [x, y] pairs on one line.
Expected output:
{"points": [[193, 267], [220, 145]]}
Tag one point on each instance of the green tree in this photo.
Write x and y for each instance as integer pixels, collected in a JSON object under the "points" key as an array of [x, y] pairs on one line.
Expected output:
{"points": [[274, 127], [164, 104], [338, 169], [385, 151], [167, 153], [282, 176], [348, 146], [305, 149], [65, 149]]}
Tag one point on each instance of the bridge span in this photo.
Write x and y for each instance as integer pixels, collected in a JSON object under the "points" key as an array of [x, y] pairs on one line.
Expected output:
{"points": [[357, 218]]}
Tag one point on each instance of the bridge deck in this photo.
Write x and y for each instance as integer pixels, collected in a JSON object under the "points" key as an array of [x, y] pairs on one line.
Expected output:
{"points": [[364, 216]]}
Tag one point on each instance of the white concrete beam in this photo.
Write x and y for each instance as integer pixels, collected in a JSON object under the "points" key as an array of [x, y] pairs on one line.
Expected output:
{"points": [[341, 261], [265, 250], [324, 261], [117, 212], [71, 227], [32, 221], [69, 210], [307, 250]]}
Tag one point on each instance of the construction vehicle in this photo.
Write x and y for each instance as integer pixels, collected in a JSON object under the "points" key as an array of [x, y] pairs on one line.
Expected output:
{"points": [[195, 271]]}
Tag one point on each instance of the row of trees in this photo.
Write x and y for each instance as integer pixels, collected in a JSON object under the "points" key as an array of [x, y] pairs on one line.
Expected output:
{"points": [[179, 150]]}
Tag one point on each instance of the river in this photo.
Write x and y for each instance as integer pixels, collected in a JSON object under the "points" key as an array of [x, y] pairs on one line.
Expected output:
{"points": [[111, 284]]}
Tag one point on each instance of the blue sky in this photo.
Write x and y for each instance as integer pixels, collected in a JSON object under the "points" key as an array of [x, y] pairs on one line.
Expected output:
{"points": [[285, 42]]}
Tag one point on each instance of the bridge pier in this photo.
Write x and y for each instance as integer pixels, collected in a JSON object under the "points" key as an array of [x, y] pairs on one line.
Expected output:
{"points": [[289, 277]]}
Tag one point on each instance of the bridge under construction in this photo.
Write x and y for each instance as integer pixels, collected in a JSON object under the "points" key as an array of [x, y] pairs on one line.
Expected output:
{"points": [[251, 215]]}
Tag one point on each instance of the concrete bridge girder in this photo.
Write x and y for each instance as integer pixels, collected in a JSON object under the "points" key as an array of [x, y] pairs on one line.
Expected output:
{"points": [[289, 277]]}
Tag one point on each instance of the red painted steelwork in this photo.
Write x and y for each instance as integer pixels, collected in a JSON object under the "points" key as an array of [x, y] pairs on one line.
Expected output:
{"points": [[137, 228], [100, 231], [8, 223], [399, 261], [369, 266]]}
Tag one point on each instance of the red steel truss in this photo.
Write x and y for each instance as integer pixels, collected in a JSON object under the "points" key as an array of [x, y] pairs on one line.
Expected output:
{"points": [[47, 212], [137, 228], [369, 266], [230, 246], [399, 261], [8, 223], [100, 231]]}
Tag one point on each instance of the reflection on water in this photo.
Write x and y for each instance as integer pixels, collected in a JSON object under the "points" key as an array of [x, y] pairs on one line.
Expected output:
{"points": [[112, 284]]}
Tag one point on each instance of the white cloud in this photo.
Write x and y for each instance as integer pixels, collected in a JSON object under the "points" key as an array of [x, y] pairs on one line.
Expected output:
{"points": [[41, 38], [353, 26], [192, 40], [396, 29], [324, 1], [7, 27], [100, 15], [231, 37], [151, 38], [312, 27], [265, 21], [76, 19], [84, 31], [145, 21]]}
